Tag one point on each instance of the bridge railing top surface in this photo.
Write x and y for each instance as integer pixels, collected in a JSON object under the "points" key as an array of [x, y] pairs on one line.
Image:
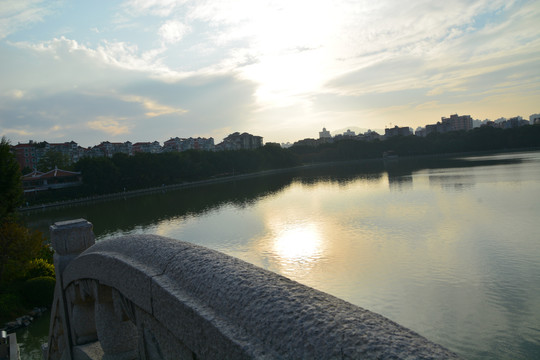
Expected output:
{"points": [[186, 287]]}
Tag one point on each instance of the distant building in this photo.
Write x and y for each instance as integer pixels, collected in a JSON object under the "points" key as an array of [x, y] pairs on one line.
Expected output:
{"points": [[325, 134], [54, 179], [108, 149], [237, 141], [514, 122], [349, 133], [26, 155], [453, 123], [420, 131], [457, 123], [146, 147], [370, 136], [172, 145], [436, 128], [307, 142], [534, 119], [181, 144], [397, 131], [503, 123], [70, 150], [286, 145]]}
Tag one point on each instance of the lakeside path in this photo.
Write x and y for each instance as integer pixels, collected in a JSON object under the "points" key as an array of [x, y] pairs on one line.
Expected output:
{"points": [[217, 180], [183, 185]]}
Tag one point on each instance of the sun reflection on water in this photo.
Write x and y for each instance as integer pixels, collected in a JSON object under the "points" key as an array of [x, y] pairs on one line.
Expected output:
{"points": [[296, 249], [300, 242]]}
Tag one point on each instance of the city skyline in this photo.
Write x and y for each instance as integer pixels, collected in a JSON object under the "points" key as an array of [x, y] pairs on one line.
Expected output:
{"points": [[151, 70]]}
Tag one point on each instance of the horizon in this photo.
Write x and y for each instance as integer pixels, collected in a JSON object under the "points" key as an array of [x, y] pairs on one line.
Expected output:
{"points": [[142, 71], [356, 130]]}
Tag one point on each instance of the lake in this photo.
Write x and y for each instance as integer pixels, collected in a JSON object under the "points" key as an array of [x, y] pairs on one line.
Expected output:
{"points": [[449, 247]]}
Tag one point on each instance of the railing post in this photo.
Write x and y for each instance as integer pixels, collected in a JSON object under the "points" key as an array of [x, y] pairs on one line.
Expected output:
{"points": [[69, 239]]}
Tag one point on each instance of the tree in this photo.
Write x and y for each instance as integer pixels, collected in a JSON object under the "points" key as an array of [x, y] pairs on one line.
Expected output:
{"points": [[18, 246], [52, 159], [10, 181]]}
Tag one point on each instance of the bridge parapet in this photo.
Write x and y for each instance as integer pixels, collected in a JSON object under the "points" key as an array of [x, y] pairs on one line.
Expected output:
{"points": [[151, 297]]}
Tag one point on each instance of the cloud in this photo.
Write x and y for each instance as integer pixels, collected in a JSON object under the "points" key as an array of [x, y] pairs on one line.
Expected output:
{"points": [[15, 15], [153, 107], [15, 94], [162, 8], [94, 98], [109, 126], [163, 68], [72, 58], [172, 31]]}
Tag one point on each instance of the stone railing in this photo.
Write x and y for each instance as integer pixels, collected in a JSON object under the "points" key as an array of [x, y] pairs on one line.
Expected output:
{"points": [[151, 297]]}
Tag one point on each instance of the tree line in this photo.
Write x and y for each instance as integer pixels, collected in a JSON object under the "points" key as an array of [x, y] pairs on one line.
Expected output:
{"points": [[102, 175], [479, 139], [26, 269], [143, 170]]}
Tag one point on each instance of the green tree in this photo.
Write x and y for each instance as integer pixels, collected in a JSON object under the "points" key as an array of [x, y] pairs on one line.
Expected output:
{"points": [[10, 181], [100, 175], [52, 159], [18, 247]]}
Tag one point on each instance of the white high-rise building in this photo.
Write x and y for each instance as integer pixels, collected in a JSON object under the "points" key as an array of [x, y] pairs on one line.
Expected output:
{"points": [[324, 134]]}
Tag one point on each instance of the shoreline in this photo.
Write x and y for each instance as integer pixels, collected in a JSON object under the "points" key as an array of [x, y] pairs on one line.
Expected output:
{"points": [[24, 320], [184, 185]]}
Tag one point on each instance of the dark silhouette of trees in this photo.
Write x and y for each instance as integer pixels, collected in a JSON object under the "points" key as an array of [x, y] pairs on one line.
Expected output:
{"points": [[479, 139], [122, 172], [143, 170], [52, 159], [10, 181], [19, 246]]}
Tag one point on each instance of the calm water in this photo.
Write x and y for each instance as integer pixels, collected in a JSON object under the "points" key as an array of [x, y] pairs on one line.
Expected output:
{"points": [[449, 248]]}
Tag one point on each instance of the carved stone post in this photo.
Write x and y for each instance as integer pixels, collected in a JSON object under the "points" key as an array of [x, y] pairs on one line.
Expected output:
{"points": [[69, 239], [116, 333]]}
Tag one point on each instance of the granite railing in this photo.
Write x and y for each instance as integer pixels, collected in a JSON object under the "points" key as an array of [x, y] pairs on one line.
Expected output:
{"points": [[151, 297]]}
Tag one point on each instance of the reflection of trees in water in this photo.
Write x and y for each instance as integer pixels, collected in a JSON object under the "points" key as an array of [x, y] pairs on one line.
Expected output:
{"points": [[400, 183], [452, 182], [146, 210], [400, 173], [32, 337], [341, 173]]}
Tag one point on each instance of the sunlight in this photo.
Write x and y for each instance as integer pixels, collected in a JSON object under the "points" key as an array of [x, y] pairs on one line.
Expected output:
{"points": [[292, 50], [300, 242]]}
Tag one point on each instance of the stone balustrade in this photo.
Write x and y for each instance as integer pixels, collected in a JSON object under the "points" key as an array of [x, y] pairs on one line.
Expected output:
{"points": [[151, 297]]}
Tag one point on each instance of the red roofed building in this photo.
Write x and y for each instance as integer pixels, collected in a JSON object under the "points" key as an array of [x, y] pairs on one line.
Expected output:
{"points": [[147, 147], [26, 155], [54, 179]]}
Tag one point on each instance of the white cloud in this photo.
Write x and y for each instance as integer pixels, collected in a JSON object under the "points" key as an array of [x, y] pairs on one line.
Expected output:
{"points": [[15, 15], [286, 55], [172, 31], [154, 108], [297, 47], [110, 126], [15, 94], [161, 8], [117, 54]]}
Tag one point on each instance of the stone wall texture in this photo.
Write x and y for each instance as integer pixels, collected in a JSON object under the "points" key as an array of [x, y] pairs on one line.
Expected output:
{"points": [[154, 297]]}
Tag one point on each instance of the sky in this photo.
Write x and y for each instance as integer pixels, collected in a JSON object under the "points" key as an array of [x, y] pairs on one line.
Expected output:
{"points": [[146, 70]]}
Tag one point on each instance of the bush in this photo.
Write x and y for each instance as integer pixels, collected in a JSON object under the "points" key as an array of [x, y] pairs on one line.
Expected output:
{"points": [[38, 268], [39, 291], [11, 306], [18, 247]]}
